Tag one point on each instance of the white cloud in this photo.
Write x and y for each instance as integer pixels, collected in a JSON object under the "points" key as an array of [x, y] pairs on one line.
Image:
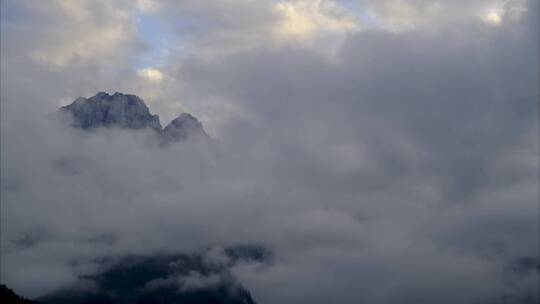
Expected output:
{"points": [[409, 15], [78, 31], [151, 74], [91, 44], [493, 17], [148, 6], [306, 20]]}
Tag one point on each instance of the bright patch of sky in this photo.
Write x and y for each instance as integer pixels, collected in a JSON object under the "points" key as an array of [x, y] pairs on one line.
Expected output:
{"points": [[354, 7], [157, 38]]}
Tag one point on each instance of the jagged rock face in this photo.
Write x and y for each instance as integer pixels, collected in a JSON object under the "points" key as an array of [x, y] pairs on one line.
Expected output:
{"points": [[182, 128], [104, 110], [130, 112]]}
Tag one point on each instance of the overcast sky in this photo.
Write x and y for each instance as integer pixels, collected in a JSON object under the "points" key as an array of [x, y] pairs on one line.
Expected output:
{"points": [[386, 150]]}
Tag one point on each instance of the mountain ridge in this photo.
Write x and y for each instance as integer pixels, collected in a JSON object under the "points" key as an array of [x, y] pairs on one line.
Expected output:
{"points": [[9, 296], [180, 278], [128, 111]]}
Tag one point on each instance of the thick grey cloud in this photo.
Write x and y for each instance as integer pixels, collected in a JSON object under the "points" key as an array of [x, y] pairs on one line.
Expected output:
{"points": [[403, 168]]}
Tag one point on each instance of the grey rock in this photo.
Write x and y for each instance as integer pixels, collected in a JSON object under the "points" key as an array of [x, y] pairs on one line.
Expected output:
{"points": [[117, 110], [130, 112], [184, 127]]}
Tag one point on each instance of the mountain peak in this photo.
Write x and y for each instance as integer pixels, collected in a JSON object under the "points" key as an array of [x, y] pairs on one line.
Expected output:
{"points": [[104, 110], [184, 127], [129, 112]]}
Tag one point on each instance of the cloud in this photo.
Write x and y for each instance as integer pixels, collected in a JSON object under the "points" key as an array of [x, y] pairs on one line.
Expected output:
{"points": [[493, 18], [149, 6], [407, 15], [151, 74], [186, 277], [402, 168], [307, 20], [76, 32]]}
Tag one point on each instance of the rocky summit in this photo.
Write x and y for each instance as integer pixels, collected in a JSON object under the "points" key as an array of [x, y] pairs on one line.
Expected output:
{"points": [[129, 112], [183, 127], [104, 110]]}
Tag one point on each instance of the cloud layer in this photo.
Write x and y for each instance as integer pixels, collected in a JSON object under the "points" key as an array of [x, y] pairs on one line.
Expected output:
{"points": [[386, 153]]}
